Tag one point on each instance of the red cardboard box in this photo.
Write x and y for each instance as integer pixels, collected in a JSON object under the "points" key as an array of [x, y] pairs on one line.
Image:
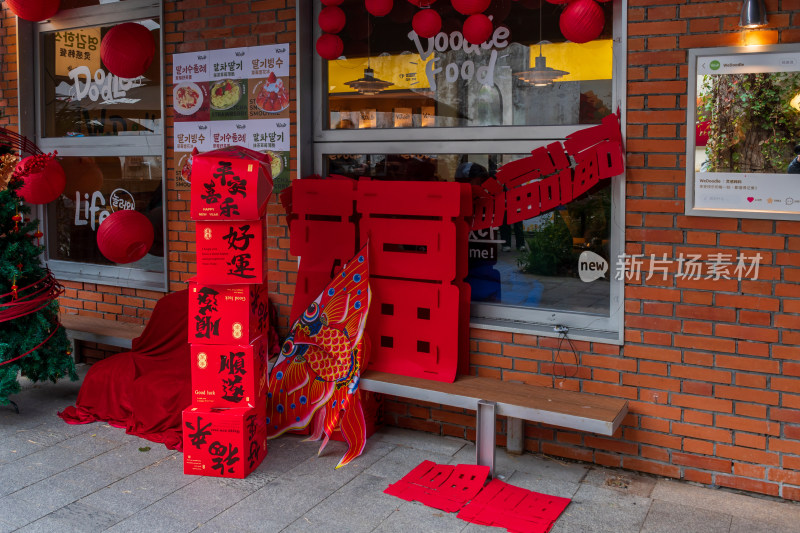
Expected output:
{"points": [[232, 183], [231, 252], [227, 314], [223, 442], [229, 375]]}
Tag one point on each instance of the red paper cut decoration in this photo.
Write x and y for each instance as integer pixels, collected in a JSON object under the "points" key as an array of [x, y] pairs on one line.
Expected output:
{"points": [[331, 19], [127, 50], [317, 373], [34, 10], [379, 8], [582, 21], [477, 28], [427, 23], [329, 46], [471, 7], [43, 179], [444, 487], [125, 236]]}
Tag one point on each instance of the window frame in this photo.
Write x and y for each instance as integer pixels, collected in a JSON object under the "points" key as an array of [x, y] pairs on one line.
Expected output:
{"points": [[133, 145], [315, 141]]}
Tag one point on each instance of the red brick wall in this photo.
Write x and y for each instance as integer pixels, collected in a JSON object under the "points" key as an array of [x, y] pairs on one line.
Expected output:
{"points": [[8, 70], [711, 369]]}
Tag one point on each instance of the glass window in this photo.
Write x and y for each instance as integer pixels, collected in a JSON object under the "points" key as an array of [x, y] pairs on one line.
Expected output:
{"points": [[394, 106], [108, 132]]}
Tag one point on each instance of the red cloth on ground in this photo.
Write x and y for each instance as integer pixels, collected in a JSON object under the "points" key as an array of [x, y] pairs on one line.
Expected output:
{"points": [[144, 390]]}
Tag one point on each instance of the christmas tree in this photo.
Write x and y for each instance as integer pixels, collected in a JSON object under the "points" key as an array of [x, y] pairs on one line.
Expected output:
{"points": [[32, 342]]}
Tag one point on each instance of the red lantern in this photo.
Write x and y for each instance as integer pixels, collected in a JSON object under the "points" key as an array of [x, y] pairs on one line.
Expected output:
{"points": [[582, 21], [426, 23], [478, 28], [331, 19], [34, 10], [42, 185], [329, 46], [471, 7], [379, 8], [125, 236], [127, 50], [422, 3]]}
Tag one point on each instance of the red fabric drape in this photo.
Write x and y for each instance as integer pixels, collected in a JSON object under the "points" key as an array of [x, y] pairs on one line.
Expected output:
{"points": [[144, 390]]}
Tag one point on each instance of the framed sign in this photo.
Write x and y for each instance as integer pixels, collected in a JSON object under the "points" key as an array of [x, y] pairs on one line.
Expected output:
{"points": [[743, 132]]}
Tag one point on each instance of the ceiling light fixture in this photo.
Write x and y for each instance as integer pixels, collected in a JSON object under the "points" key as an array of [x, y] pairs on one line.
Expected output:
{"points": [[754, 14], [369, 85], [540, 75]]}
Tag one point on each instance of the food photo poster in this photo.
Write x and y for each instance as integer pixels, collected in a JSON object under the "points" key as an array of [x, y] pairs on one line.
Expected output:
{"points": [[236, 96]]}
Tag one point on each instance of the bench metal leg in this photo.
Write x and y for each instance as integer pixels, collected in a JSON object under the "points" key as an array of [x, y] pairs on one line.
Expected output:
{"points": [[515, 435], [485, 436]]}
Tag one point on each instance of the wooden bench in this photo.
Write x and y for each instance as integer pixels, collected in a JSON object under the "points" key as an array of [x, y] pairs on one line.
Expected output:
{"points": [[99, 330], [491, 397]]}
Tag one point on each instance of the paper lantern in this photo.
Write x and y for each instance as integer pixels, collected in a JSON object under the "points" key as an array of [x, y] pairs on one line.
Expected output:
{"points": [[426, 23], [471, 7], [422, 3], [331, 19], [127, 50], [44, 185], [329, 46], [125, 236], [582, 21], [379, 8], [34, 10], [478, 28]]}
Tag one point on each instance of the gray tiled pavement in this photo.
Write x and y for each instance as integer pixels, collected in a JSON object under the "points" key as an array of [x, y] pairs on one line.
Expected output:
{"points": [[57, 477]]}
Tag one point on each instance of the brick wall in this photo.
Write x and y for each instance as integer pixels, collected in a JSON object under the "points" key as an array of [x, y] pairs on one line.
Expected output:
{"points": [[711, 369], [8, 70]]}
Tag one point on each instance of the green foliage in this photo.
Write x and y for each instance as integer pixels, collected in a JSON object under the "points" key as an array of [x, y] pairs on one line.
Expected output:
{"points": [[550, 250], [752, 126], [20, 258]]}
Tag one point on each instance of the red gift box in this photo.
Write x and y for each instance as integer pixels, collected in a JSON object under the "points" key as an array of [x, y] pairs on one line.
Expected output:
{"points": [[232, 183], [229, 375], [227, 314], [223, 442], [231, 252]]}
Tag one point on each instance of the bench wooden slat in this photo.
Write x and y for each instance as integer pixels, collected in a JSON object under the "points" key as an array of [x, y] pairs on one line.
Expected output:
{"points": [[568, 409], [100, 330]]}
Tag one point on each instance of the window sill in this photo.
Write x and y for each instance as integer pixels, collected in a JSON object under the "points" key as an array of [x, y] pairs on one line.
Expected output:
{"points": [[541, 330]]}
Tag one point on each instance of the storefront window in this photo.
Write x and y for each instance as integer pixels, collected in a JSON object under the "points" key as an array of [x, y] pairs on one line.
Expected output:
{"points": [[108, 133]]}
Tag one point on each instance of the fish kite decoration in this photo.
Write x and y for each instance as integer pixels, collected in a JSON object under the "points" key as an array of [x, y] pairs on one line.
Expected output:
{"points": [[315, 379]]}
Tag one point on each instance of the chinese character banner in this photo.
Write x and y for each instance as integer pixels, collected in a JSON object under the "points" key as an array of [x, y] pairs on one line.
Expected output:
{"points": [[237, 96]]}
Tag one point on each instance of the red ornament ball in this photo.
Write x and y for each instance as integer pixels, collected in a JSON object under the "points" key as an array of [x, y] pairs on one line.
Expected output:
{"points": [[379, 8], [44, 185], [471, 7], [125, 236], [477, 29], [127, 50], [34, 10], [329, 46], [582, 21], [426, 23], [422, 3], [331, 19]]}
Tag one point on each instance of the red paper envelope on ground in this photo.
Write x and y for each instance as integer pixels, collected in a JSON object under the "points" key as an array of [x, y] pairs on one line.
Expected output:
{"points": [[232, 183]]}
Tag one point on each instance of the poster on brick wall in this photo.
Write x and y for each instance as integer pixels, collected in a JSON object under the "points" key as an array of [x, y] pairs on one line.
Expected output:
{"points": [[235, 96]]}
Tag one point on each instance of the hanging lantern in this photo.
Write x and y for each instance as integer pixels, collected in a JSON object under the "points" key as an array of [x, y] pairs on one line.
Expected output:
{"points": [[127, 50], [379, 8], [125, 236], [582, 21], [331, 19], [329, 46], [426, 23], [422, 3], [471, 7], [34, 10], [43, 180], [82, 174], [478, 28]]}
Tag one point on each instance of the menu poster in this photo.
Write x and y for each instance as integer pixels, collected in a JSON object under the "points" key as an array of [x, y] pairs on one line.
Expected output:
{"points": [[237, 96]]}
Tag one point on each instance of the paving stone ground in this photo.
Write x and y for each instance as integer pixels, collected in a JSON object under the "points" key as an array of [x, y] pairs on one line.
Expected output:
{"points": [[93, 477]]}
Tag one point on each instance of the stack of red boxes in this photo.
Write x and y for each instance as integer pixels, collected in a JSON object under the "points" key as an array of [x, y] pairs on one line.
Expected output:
{"points": [[224, 430]]}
